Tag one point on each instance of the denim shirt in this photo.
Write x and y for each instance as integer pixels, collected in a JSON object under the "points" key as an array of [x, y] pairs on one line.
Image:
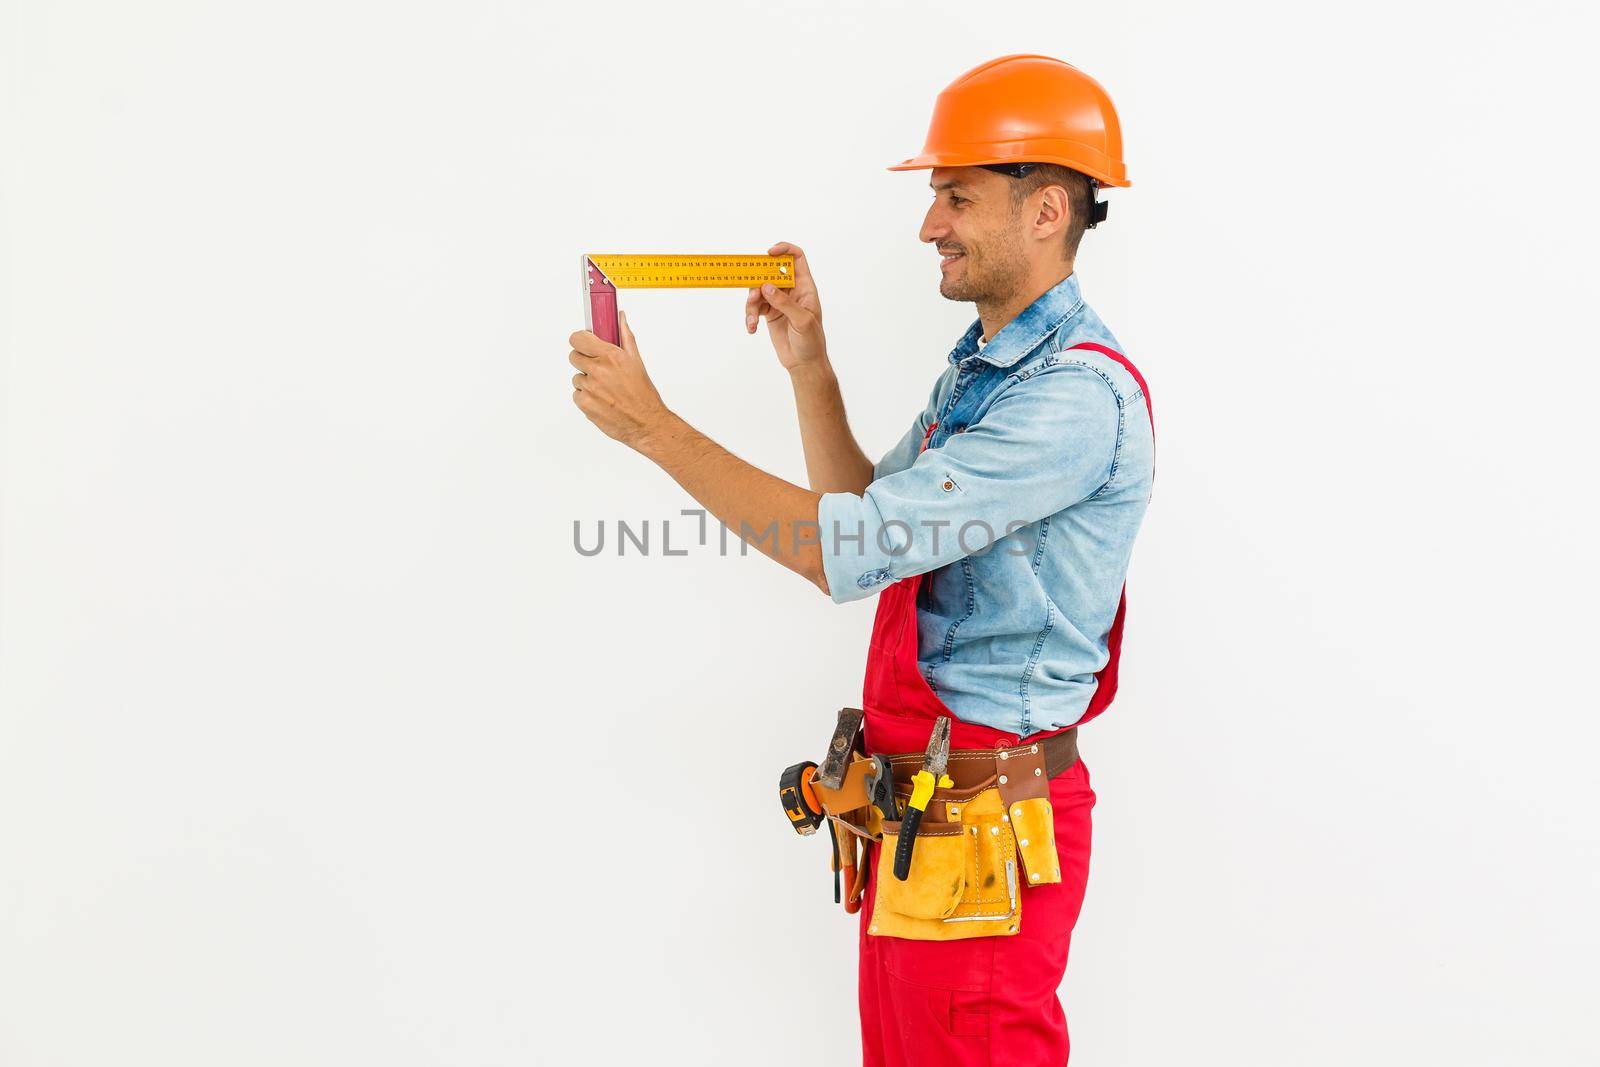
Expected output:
{"points": [[1022, 513]]}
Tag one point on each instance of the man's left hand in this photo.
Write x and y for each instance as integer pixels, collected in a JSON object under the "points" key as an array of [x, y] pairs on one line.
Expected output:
{"points": [[612, 387]]}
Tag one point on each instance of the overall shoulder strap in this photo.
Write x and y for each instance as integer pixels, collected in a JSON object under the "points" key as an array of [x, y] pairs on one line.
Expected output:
{"points": [[1107, 677], [1127, 365]]}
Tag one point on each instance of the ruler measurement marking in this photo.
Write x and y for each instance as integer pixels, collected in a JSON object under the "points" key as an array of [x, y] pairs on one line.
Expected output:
{"points": [[694, 271]]}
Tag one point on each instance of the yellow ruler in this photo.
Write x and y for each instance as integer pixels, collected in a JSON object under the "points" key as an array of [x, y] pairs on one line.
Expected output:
{"points": [[694, 271], [603, 275]]}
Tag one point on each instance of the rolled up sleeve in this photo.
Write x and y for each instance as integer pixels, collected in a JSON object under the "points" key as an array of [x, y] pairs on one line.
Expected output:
{"points": [[1044, 444]]}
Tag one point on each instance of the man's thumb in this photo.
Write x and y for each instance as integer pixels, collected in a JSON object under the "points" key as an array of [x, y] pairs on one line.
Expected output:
{"points": [[625, 334]]}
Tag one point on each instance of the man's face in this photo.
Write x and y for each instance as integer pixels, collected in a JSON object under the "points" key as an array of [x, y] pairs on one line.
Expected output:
{"points": [[977, 233]]}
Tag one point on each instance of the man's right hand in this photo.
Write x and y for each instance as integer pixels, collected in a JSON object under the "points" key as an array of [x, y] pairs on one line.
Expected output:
{"points": [[794, 316]]}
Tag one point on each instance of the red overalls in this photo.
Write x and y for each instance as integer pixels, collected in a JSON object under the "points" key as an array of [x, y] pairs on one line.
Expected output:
{"points": [[981, 1001]]}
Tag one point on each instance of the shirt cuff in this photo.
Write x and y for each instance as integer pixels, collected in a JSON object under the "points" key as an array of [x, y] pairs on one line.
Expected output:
{"points": [[857, 547]]}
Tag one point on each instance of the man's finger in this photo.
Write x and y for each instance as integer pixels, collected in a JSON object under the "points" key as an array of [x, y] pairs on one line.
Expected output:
{"points": [[590, 345], [755, 309], [581, 361], [787, 305], [752, 310], [577, 382]]}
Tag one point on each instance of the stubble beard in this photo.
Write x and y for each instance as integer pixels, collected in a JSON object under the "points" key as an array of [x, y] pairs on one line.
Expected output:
{"points": [[983, 287]]}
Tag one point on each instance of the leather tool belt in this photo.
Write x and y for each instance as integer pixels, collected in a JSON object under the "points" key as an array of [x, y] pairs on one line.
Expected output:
{"points": [[983, 838]]}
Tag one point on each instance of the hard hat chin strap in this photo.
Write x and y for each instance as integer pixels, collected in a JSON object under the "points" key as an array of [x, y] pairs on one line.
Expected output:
{"points": [[1097, 208]]}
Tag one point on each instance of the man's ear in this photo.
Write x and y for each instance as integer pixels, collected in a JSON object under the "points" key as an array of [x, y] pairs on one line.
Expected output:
{"points": [[1054, 211]]}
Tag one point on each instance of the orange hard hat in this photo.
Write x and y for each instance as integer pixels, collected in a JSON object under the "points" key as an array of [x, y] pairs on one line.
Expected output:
{"points": [[1025, 108]]}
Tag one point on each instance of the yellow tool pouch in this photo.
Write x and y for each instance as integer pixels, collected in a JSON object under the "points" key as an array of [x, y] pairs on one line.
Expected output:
{"points": [[984, 838], [963, 880], [979, 846]]}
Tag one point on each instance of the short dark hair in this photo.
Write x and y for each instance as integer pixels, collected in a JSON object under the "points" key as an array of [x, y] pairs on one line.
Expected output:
{"points": [[1080, 189]]}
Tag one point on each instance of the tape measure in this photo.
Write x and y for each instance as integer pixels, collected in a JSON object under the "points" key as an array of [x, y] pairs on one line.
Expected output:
{"points": [[694, 271], [799, 800], [603, 275]]}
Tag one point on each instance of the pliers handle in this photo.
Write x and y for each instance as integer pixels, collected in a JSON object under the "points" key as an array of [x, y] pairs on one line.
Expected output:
{"points": [[923, 784]]}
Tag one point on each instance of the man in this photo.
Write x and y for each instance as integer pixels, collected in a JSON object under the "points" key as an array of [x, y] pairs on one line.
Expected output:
{"points": [[996, 533]]}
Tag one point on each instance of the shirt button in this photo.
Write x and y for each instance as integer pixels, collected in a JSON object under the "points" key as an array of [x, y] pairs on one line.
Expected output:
{"points": [[872, 578]]}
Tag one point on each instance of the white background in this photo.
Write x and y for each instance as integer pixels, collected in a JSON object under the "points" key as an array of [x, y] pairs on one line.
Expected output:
{"points": [[322, 745]]}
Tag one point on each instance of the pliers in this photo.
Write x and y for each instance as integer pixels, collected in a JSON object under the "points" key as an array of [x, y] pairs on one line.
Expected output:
{"points": [[934, 762]]}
